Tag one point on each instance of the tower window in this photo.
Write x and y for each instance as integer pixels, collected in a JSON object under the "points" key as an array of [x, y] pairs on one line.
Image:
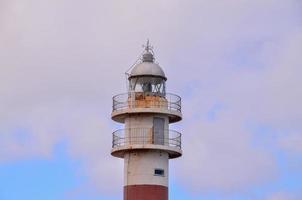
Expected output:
{"points": [[159, 172]]}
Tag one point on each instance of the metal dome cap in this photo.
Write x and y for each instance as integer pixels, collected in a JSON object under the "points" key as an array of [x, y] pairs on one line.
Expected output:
{"points": [[147, 67]]}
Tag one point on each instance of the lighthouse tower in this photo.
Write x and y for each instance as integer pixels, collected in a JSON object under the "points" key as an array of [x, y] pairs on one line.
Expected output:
{"points": [[146, 143]]}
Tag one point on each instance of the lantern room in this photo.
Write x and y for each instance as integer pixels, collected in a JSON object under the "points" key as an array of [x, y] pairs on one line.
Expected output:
{"points": [[147, 77]]}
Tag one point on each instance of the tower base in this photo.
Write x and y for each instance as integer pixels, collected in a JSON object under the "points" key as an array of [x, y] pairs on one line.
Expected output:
{"points": [[145, 192]]}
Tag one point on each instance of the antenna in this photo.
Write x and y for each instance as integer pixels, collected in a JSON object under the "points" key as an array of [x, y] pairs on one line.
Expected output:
{"points": [[148, 47]]}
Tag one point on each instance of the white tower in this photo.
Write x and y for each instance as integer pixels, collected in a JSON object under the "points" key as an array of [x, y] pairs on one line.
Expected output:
{"points": [[146, 143]]}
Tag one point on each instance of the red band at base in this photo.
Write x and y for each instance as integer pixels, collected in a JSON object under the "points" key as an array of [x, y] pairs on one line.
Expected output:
{"points": [[145, 192]]}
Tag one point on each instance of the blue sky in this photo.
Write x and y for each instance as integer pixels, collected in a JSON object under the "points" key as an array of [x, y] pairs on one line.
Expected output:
{"points": [[236, 64], [56, 178]]}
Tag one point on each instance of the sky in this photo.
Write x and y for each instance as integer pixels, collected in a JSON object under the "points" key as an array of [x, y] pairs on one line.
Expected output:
{"points": [[235, 63]]}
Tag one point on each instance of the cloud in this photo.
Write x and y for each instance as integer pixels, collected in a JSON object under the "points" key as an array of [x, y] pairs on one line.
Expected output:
{"points": [[291, 142], [221, 154], [62, 61], [223, 151], [284, 196]]}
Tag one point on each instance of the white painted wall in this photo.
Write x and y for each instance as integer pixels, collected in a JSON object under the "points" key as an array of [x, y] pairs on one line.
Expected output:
{"points": [[144, 121], [139, 167], [139, 128]]}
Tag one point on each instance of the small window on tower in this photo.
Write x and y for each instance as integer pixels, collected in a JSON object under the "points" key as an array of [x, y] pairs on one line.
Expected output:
{"points": [[159, 172]]}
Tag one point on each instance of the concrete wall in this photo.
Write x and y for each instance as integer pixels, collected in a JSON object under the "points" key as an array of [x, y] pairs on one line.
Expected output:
{"points": [[144, 121], [140, 180], [139, 168], [139, 128]]}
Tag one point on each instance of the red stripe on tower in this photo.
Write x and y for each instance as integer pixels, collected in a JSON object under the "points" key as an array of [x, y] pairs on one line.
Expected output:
{"points": [[145, 192]]}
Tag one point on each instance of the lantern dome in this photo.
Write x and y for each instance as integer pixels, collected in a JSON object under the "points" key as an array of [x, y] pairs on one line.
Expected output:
{"points": [[147, 69]]}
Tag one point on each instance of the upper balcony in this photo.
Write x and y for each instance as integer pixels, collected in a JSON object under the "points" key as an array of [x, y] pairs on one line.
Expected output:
{"points": [[142, 102], [125, 140]]}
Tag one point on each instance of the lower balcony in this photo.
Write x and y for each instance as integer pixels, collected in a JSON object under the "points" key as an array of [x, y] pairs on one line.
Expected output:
{"points": [[146, 139]]}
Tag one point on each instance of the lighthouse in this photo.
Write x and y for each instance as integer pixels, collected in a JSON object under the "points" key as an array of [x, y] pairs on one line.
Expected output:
{"points": [[146, 143]]}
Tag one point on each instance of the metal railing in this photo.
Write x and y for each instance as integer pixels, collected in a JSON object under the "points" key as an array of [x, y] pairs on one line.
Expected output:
{"points": [[146, 100], [132, 136]]}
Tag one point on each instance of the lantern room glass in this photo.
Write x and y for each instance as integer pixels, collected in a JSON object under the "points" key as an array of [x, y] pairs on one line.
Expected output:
{"points": [[149, 85]]}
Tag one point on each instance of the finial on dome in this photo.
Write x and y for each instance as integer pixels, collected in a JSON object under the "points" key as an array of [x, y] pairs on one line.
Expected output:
{"points": [[148, 54], [148, 47]]}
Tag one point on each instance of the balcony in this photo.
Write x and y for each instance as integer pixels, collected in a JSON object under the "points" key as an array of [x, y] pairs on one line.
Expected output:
{"points": [[146, 138], [139, 102]]}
